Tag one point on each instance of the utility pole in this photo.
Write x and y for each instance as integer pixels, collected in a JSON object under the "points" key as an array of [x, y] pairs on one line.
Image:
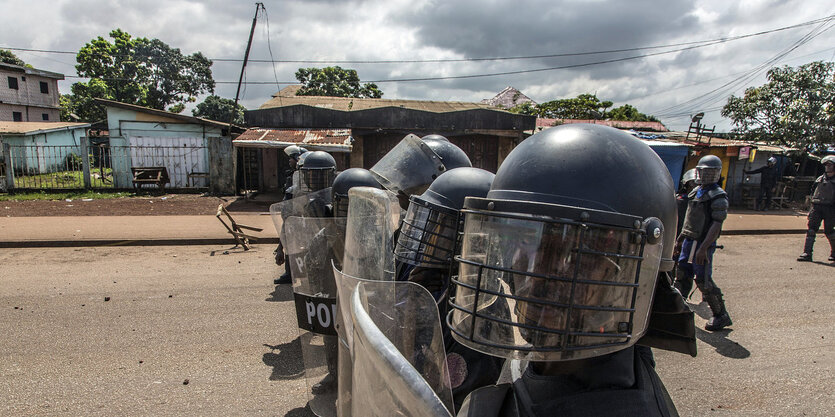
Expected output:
{"points": [[258, 6]]}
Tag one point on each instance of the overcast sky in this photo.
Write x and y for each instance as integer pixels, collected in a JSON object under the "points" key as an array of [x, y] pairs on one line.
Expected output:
{"points": [[670, 85]]}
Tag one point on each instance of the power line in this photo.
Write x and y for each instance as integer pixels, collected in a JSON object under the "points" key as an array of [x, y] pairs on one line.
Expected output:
{"points": [[721, 92], [506, 58]]}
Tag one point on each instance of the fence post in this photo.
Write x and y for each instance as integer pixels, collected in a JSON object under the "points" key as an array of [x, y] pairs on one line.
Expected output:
{"points": [[7, 157], [85, 161]]}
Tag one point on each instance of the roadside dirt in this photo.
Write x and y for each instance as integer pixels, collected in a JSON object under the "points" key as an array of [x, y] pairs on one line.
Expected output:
{"points": [[162, 205]]}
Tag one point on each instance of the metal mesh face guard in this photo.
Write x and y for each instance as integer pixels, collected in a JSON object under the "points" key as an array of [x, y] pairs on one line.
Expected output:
{"points": [[552, 288], [316, 179], [340, 205], [706, 176], [427, 235]]}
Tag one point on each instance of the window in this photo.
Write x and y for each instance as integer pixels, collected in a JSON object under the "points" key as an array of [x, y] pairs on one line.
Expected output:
{"points": [[17, 116], [45, 116], [44, 87], [13, 83]]}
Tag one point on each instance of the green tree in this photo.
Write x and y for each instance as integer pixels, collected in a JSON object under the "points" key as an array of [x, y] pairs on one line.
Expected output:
{"points": [[220, 109], [141, 71], [334, 82], [795, 107], [9, 57], [584, 106], [629, 113]]}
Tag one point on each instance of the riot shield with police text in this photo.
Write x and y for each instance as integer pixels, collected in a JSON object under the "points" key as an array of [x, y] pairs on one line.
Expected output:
{"points": [[409, 167], [314, 245], [314, 204], [399, 360], [373, 217]]}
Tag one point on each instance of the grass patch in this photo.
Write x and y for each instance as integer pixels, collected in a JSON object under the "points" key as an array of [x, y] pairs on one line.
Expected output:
{"points": [[64, 179], [72, 195]]}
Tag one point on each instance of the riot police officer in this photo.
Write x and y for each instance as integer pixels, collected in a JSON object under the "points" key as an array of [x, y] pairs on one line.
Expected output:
{"points": [[293, 152], [414, 163], [424, 250], [688, 183], [350, 178], [706, 211], [823, 210], [558, 266], [768, 180], [316, 172]]}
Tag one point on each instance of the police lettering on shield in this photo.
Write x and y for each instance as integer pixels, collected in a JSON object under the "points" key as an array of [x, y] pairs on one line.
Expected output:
{"points": [[316, 314]]}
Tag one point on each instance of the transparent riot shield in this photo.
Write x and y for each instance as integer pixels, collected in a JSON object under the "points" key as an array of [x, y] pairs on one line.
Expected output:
{"points": [[309, 205], [314, 245], [399, 360], [409, 167], [373, 217]]}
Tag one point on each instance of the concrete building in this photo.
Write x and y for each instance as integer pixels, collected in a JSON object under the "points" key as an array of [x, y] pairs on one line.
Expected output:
{"points": [[28, 94], [196, 152]]}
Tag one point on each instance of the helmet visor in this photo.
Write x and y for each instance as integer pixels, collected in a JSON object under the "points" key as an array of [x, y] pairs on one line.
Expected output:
{"points": [[316, 179], [708, 175], [427, 236], [409, 167], [551, 289]]}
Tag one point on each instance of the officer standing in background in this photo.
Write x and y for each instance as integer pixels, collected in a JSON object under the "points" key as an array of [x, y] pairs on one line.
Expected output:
{"points": [[558, 267], [293, 152], [823, 210], [706, 211], [768, 181], [688, 183]]}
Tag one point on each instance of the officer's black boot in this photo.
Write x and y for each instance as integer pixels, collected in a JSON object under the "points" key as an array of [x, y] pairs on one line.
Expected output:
{"points": [[721, 318], [285, 278], [831, 247], [806, 256]]}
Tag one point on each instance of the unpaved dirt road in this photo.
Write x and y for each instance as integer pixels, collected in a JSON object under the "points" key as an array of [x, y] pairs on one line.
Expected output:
{"points": [[179, 313]]}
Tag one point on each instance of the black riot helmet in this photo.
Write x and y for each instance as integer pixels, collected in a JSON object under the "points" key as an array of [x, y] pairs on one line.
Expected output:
{"points": [[561, 259], [317, 170], [350, 178], [451, 156], [429, 229], [708, 170]]}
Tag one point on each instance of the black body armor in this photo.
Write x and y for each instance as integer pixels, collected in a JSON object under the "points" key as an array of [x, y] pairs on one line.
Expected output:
{"points": [[703, 211]]}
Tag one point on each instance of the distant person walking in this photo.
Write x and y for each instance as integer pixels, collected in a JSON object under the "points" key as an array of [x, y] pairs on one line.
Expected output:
{"points": [[768, 181], [823, 210]]}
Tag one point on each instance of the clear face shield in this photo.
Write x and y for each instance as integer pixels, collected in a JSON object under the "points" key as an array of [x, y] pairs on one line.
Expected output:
{"points": [[427, 235], [707, 176], [316, 179], [409, 167], [547, 288]]}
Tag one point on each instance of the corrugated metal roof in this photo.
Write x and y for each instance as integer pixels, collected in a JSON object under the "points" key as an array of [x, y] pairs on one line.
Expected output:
{"points": [[163, 113], [31, 71], [356, 104], [312, 139], [23, 128], [620, 124]]}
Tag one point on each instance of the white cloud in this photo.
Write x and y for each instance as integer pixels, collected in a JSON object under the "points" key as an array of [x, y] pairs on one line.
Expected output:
{"points": [[428, 29]]}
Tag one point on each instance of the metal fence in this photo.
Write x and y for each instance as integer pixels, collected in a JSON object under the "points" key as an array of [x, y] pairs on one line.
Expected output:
{"points": [[101, 166]]}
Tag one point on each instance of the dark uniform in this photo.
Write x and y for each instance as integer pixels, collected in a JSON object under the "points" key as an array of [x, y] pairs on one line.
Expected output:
{"points": [[768, 181], [823, 211], [706, 211], [559, 265]]}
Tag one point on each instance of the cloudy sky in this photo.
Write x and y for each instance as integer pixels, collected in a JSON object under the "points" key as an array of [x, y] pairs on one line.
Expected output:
{"points": [[661, 64]]}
